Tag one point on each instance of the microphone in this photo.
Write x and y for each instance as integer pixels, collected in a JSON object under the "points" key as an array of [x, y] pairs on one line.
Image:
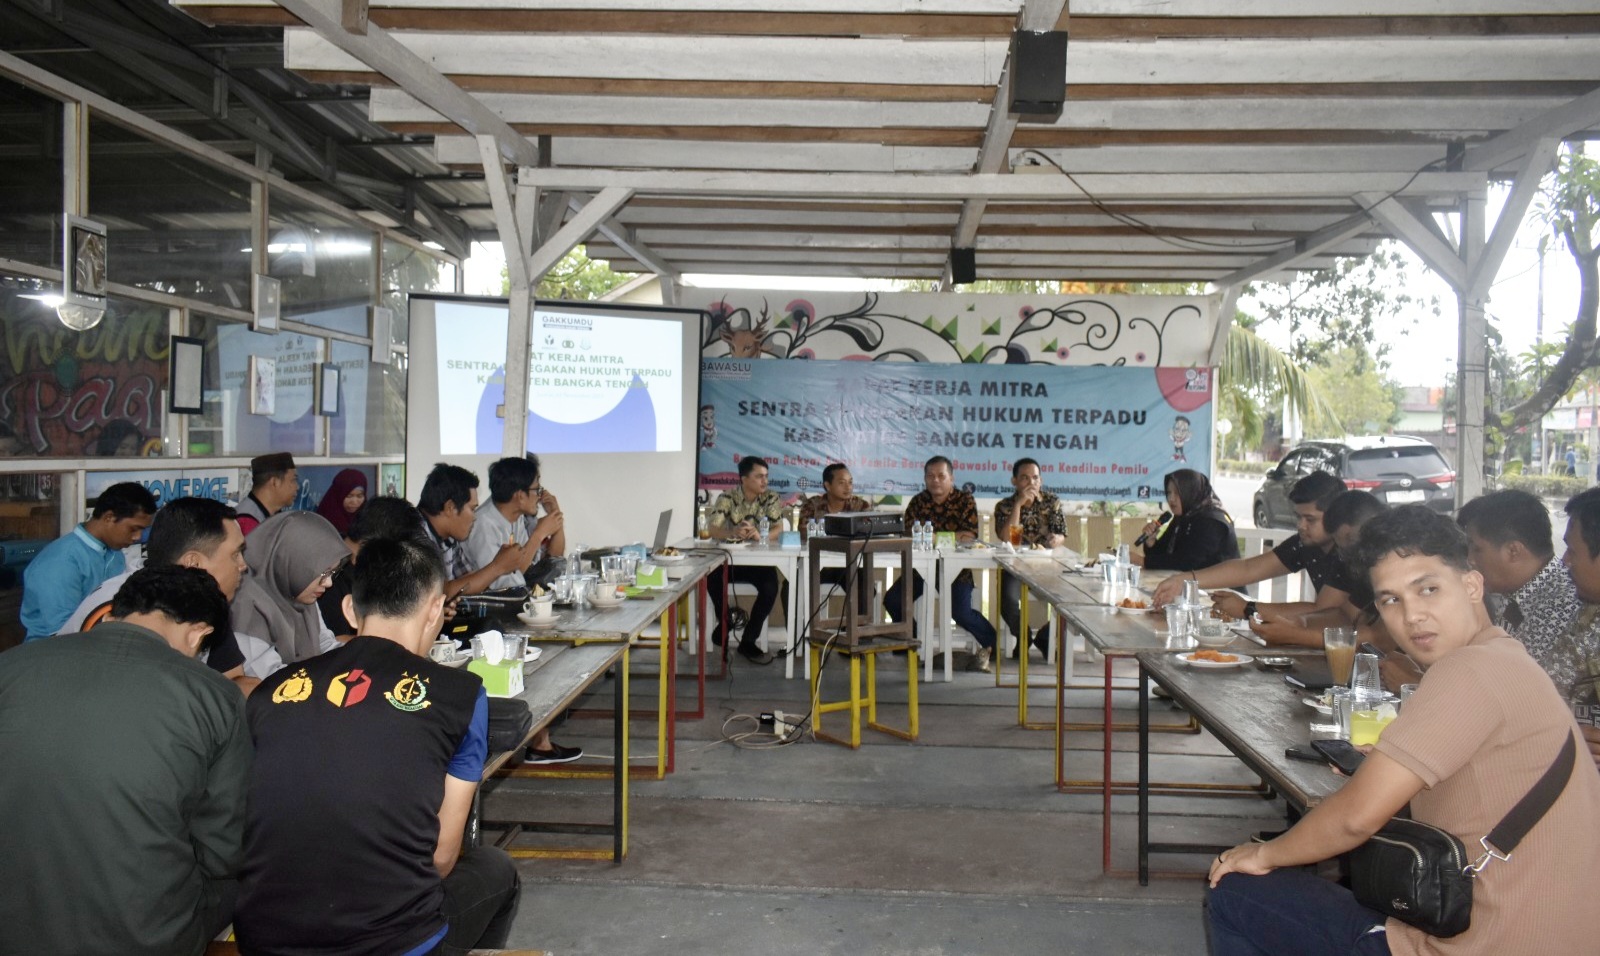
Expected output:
{"points": [[1149, 536]]}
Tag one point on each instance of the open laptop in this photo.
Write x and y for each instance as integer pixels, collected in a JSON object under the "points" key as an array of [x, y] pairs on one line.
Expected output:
{"points": [[662, 525]]}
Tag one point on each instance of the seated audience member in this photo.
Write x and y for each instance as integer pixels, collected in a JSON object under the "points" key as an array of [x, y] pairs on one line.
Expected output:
{"points": [[384, 517], [274, 484], [293, 558], [449, 506], [1511, 545], [735, 516], [193, 533], [371, 858], [1200, 533], [344, 497], [64, 572], [1574, 665], [953, 510], [838, 495], [1483, 726], [1290, 623], [1310, 550], [124, 783], [1043, 524], [514, 495]]}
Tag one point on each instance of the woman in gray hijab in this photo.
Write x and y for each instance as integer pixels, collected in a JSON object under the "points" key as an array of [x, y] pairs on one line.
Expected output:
{"points": [[292, 556]]}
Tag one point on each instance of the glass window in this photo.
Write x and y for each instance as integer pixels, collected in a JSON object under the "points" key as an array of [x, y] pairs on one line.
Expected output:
{"points": [[30, 189], [241, 420], [326, 265], [1414, 460], [66, 394], [173, 223], [407, 269], [372, 404], [30, 518]]}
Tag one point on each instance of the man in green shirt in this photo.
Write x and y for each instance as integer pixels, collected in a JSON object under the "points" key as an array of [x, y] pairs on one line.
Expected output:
{"points": [[124, 783]]}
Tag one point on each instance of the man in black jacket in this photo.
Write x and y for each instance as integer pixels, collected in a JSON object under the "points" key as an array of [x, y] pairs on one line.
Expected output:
{"points": [[367, 760], [124, 783]]}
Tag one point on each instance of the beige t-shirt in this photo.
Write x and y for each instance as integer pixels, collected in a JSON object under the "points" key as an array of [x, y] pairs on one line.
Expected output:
{"points": [[1484, 724]]}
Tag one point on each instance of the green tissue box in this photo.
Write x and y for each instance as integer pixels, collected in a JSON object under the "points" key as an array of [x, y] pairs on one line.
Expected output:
{"points": [[656, 577], [945, 540], [499, 680]]}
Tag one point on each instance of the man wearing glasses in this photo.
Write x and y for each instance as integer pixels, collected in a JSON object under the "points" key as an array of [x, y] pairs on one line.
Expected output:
{"points": [[515, 494]]}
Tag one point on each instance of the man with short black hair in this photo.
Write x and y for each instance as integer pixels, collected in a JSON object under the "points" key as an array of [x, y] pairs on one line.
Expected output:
{"points": [[838, 496], [515, 494], [1040, 522], [68, 568], [124, 781], [386, 518], [735, 516], [1310, 550], [1510, 543], [274, 484], [1341, 522], [1573, 660], [195, 533], [370, 858], [449, 506]]}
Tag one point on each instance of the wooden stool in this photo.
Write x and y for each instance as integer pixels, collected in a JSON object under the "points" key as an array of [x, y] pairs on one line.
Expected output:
{"points": [[869, 650]]}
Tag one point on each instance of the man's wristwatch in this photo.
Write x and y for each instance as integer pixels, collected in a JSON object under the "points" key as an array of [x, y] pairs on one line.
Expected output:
{"points": [[1249, 610]]}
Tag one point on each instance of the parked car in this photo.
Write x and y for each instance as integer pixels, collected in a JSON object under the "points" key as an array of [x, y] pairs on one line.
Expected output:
{"points": [[1397, 468]]}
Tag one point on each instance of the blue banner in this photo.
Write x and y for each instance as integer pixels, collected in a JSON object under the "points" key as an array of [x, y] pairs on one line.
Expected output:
{"points": [[1098, 432]]}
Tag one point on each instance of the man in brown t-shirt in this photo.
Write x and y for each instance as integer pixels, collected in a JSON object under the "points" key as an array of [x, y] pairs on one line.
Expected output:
{"points": [[1483, 726]]}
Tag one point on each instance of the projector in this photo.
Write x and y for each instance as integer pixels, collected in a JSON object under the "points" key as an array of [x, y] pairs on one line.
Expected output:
{"points": [[864, 524]]}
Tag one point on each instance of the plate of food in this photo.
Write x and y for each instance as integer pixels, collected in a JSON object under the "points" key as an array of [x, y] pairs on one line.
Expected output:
{"points": [[532, 653], [1206, 659], [1319, 704], [667, 556], [1131, 605]]}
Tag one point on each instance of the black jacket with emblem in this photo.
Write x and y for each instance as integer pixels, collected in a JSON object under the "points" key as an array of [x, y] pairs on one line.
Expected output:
{"points": [[352, 748]]}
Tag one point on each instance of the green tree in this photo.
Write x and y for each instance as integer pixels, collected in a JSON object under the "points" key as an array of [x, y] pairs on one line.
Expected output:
{"points": [[576, 276], [1256, 378], [1362, 400]]}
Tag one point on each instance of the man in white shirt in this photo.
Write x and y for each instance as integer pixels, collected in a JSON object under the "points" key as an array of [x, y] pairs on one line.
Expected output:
{"points": [[514, 494]]}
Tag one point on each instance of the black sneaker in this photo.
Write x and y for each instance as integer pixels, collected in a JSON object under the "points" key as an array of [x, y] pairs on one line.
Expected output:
{"points": [[556, 754], [755, 655]]}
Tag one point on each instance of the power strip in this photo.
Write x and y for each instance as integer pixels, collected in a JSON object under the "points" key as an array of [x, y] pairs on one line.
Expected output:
{"points": [[775, 720]]}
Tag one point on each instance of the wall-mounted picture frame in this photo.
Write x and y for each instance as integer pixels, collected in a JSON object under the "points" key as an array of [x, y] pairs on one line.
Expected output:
{"points": [[266, 303], [262, 382], [328, 390], [186, 376], [85, 255]]}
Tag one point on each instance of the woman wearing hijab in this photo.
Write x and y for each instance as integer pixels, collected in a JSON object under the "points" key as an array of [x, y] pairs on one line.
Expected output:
{"points": [[344, 498], [1200, 534], [292, 556]]}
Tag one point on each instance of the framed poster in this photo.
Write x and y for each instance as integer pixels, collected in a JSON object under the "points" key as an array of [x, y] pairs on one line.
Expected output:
{"points": [[267, 293], [187, 372], [328, 390], [262, 381]]}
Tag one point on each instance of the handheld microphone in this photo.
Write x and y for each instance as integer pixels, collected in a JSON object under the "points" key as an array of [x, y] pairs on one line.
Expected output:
{"points": [[1149, 536]]}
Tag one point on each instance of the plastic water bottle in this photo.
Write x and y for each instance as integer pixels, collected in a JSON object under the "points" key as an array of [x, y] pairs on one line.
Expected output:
{"points": [[925, 535], [764, 528]]}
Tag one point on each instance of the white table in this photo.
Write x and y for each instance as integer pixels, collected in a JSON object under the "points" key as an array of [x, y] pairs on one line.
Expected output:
{"points": [[790, 563]]}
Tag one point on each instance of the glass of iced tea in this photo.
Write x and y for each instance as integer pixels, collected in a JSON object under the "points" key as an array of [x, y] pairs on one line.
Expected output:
{"points": [[1339, 644], [1015, 533]]}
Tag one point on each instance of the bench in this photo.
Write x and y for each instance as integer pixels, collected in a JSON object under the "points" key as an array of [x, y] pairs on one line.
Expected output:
{"points": [[232, 949]]}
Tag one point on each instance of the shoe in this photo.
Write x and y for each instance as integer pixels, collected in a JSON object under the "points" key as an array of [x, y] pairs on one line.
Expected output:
{"points": [[1041, 640], [716, 637], [980, 660], [755, 655], [556, 754]]}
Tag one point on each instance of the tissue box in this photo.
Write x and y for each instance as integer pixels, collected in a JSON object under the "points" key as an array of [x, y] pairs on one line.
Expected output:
{"points": [[789, 539], [499, 680], [650, 576], [945, 540]]}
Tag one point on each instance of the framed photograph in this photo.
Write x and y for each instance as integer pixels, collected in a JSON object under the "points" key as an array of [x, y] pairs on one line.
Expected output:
{"points": [[85, 258], [262, 382], [267, 298], [328, 390], [185, 376]]}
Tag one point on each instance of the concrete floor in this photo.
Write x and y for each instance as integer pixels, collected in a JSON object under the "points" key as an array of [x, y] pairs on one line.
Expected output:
{"points": [[955, 844]]}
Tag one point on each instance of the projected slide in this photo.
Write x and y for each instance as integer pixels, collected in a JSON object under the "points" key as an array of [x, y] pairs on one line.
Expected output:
{"points": [[596, 382]]}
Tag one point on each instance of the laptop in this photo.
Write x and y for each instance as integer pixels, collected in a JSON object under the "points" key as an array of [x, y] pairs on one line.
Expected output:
{"points": [[662, 525]]}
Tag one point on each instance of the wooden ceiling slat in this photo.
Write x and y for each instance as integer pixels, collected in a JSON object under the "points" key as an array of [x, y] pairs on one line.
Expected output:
{"points": [[1312, 28]]}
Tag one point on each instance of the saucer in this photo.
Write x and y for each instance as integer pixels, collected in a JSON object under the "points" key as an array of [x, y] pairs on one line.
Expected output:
{"points": [[537, 621]]}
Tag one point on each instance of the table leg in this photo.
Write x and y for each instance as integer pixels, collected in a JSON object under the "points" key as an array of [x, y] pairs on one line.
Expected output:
{"points": [[619, 771], [666, 706], [1023, 646], [1105, 776], [1144, 776]]}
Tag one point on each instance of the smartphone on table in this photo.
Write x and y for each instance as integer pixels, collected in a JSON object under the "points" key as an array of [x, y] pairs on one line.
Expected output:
{"points": [[1340, 753]]}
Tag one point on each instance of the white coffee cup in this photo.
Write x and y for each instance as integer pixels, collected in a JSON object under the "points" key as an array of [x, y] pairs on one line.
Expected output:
{"points": [[540, 608], [443, 651]]}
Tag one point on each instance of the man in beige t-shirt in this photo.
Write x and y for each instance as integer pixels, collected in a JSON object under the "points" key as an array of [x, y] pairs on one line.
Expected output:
{"points": [[1483, 726]]}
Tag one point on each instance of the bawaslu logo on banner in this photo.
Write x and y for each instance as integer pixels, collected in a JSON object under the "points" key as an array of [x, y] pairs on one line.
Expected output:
{"points": [[1098, 433]]}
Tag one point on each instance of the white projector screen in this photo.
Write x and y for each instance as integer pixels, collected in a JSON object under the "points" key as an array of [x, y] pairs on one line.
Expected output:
{"points": [[613, 392]]}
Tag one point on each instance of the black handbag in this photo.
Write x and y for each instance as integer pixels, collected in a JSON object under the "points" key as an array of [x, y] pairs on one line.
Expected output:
{"points": [[510, 723], [1419, 874]]}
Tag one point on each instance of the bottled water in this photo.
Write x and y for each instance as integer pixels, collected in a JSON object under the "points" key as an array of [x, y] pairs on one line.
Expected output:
{"points": [[764, 529]]}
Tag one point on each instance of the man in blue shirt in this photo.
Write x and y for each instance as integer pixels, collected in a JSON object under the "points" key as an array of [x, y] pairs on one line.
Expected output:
{"points": [[64, 573]]}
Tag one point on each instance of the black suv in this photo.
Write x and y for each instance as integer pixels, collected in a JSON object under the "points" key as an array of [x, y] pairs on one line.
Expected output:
{"points": [[1396, 468]]}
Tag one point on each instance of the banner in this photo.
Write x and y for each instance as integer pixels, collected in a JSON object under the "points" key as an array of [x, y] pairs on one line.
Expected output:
{"points": [[1098, 432]]}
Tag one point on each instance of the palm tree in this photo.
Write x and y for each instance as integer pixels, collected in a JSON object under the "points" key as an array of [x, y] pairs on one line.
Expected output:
{"points": [[1255, 373]]}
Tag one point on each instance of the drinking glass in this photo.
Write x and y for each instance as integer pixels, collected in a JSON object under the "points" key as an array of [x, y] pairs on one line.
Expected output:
{"points": [[1015, 535], [1339, 644], [1369, 716], [1406, 690], [1342, 699], [1191, 591], [1132, 573], [1177, 620], [1364, 679]]}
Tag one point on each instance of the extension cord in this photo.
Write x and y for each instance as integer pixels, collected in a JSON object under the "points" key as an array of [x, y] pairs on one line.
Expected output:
{"points": [[780, 726]]}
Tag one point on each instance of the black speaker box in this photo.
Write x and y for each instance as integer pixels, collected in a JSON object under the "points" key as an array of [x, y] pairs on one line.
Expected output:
{"points": [[1038, 74], [963, 266]]}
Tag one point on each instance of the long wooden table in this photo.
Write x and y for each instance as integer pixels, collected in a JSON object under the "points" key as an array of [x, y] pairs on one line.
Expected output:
{"points": [[1254, 713], [552, 684]]}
